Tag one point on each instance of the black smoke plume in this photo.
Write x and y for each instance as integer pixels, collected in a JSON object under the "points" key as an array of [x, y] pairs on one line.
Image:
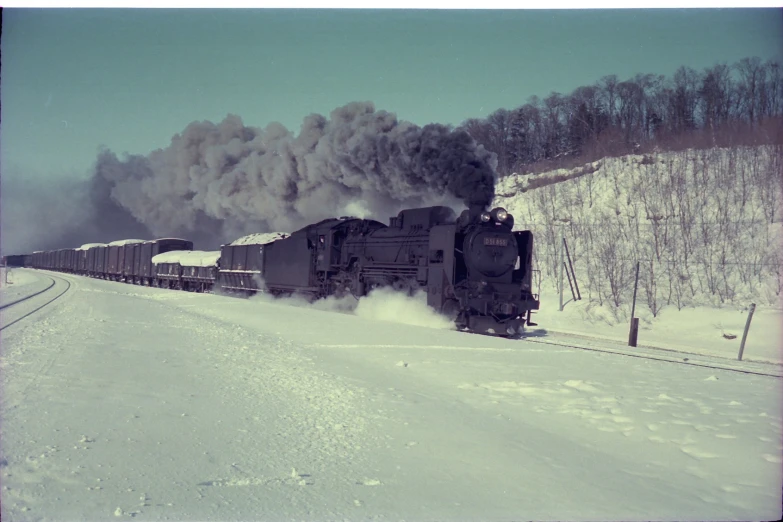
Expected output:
{"points": [[225, 180], [216, 182]]}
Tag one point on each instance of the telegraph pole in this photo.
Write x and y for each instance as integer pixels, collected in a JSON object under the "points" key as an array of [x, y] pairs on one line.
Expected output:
{"points": [[745, 333], [562, 264], [634, 333]]}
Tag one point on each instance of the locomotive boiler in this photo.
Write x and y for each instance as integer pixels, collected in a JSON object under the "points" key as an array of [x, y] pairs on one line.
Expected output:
{"points": [[474, 268]]}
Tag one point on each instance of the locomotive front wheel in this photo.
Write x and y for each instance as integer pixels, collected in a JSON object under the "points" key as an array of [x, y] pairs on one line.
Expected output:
{"points": [[450, 308]]}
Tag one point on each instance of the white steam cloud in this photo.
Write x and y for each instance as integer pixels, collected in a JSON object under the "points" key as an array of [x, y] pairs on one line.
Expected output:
{"points": [[381, 304]]}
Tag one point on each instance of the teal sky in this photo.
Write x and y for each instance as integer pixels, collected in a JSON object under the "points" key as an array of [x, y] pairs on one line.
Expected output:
{"points": [[73, 80]]}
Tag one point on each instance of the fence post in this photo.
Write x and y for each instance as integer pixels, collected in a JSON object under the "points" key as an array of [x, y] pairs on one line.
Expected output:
{"points": [[562, 264], [745, 333], [634, 335], [634, 322]]}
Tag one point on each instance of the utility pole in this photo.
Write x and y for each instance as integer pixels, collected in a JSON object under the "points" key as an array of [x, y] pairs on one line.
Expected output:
{"points": [[562, 264], [568, 255], [747, 327], [634, 333]]}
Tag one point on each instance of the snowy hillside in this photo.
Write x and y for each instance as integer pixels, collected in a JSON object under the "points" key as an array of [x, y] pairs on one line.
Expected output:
{"points": [[705, 226]]}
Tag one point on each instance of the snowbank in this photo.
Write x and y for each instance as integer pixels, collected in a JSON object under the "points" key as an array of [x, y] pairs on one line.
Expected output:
{"points": [[698, 330], [188, 258], [260, 239]]}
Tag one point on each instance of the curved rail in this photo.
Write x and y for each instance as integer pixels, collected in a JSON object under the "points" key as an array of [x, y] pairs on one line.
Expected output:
{"points": [[12, 303], [686, 362], [31, 312]]}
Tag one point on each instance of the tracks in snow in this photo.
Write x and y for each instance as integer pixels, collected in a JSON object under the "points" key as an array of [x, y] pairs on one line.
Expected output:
{"points": [[753, 370], [56, 293]]}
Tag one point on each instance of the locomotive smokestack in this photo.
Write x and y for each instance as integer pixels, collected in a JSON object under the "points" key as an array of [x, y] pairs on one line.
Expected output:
{"points": [[228, 179], [474, 211]]}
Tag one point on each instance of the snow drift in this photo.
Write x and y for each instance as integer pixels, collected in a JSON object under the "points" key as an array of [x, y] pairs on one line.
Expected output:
{"points": [[381, 304]]}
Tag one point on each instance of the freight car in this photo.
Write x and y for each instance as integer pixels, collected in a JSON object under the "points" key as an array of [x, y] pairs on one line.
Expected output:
{"points": [[193, 271], [242, 263], [16, 261], [127, 260]]}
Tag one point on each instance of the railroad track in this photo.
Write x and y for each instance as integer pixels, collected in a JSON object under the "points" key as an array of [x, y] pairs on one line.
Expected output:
{"points": [[670, 359], [50, 299]]}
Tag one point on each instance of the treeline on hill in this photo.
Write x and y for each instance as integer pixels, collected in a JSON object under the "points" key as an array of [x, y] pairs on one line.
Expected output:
{"points": [[739, 104]]}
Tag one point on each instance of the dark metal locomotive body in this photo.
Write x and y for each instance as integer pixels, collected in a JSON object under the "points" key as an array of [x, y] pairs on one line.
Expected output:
{"points": [[474, 269]]}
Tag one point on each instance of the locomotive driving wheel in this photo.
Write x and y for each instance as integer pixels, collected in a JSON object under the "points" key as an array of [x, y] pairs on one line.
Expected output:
{"points": [[452, 310]]}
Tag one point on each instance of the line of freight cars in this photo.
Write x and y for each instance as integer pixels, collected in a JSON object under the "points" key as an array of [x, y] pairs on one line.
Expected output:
{"points": [[164, 263], [129, 260]]}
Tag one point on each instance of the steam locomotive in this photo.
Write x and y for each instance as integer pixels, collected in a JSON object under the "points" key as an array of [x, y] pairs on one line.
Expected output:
{"points": [[474, 267]]}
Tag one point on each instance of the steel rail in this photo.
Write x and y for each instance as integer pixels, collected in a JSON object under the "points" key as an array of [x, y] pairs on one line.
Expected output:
{"points": [[716, 366], [31, 312]]}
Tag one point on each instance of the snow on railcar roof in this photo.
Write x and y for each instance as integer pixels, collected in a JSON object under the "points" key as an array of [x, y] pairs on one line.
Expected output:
{"points": [[260, 239], [87, 246], [188, 258], [122, 242]]}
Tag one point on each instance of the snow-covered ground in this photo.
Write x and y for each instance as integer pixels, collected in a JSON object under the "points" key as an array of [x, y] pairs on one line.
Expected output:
{"points": [[123, 401], [696, 330], [16, 283], [15, 278]]}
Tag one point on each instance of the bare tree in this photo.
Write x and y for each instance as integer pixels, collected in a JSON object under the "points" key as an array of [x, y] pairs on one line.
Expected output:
{"points": [[751, 81], [499, 129]]}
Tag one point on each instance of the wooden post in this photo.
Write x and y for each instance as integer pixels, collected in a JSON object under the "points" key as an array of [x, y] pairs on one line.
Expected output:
{"points": [[562, 264], [634, 335], [634, 330], [568, 274], [568, 255], [745, 333]]}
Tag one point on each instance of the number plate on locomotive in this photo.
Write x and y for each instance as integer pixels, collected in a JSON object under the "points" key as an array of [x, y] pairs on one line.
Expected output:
{"points": [[496, 241]]}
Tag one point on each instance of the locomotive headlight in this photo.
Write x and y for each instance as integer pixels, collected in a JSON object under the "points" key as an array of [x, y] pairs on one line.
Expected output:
{"points": [[500, 214], [485, 217]]}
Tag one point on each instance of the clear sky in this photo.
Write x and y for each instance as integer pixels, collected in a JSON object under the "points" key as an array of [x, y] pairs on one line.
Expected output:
{"points": [[73, 80]]}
